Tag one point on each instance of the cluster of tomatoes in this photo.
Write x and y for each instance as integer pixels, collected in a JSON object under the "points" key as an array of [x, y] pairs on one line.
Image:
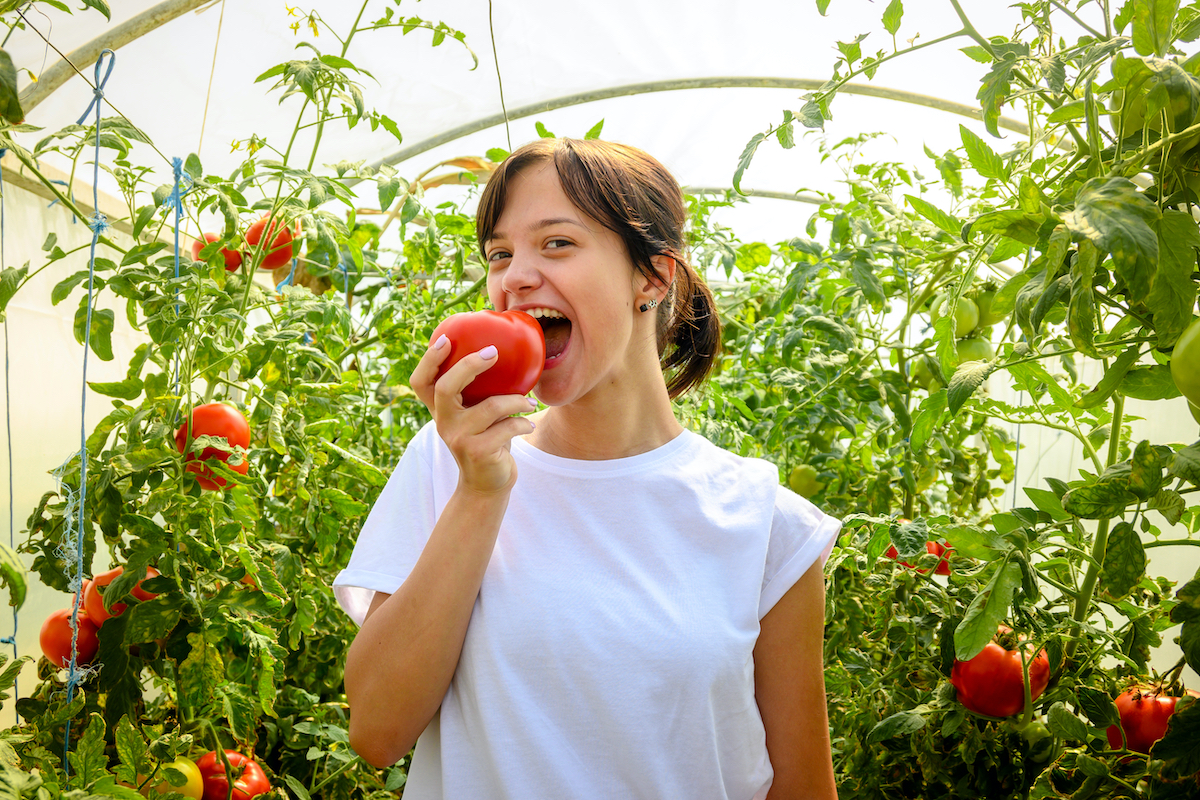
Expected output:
{"points": [[56, 635], [276, 254], [207, 778], [973, 315]]}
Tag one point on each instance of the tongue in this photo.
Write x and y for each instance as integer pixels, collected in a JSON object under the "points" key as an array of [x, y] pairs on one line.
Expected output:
{"points": [[558, 333]]}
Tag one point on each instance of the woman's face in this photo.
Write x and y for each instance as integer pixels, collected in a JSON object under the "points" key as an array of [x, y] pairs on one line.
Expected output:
{"points": [[547, 258]]}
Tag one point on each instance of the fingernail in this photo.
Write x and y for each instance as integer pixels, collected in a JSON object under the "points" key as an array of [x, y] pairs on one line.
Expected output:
{"points": [[532, 402], [532, 424], [441, 342], [488, 353]]}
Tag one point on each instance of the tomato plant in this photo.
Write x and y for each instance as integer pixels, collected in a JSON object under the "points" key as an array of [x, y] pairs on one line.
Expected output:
{"points": [[232, 258], [220, 421], [518, 339], [56, 636], [966, 314], [993, 682], [247, 777], [279, 250]]}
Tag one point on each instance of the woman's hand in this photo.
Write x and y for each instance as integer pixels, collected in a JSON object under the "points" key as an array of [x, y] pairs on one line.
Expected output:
{"points": [[479, 437]]}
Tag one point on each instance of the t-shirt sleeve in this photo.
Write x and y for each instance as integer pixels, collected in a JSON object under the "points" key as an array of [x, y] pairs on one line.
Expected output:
{"points": [[801, 535], [395, 532]]}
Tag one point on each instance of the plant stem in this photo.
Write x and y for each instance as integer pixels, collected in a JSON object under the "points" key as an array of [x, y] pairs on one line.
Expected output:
{"points": [[345, 766], [1083, 601], [1080, 22]]}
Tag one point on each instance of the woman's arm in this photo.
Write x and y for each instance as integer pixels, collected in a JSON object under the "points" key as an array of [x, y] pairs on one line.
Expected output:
{"points": [[400, 663], [789, 684]]}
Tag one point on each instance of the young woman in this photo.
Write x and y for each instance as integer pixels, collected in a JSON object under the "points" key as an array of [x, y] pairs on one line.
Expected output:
{"points": [[592, 601]]}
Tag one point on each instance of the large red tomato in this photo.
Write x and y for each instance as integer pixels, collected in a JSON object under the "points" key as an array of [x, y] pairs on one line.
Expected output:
{"points": [[93, 602], [249, 780], [1144, 714], [279, 251], [55, 638], [214, 419], [992, 683], [517, 336], [934, 549], [233, 259]]}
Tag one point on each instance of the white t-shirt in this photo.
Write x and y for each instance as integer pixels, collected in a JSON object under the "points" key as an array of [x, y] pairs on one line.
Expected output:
{"points": [[610, 650]]}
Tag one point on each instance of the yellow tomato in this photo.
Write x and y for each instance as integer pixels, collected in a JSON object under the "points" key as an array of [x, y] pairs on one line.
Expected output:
{"points": [[193, 785]]}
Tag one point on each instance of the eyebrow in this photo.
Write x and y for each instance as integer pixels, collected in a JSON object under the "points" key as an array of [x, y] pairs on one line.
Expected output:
{"points": [[540, 224]]}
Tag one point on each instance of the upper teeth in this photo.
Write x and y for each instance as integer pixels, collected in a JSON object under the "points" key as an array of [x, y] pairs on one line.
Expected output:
{"points": [[537, 313]]}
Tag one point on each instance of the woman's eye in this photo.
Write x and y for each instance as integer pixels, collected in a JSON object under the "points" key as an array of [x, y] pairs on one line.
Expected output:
{"points": [[497, 255], [554, 244]]}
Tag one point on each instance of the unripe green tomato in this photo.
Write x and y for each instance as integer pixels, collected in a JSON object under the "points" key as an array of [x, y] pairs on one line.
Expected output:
{"points": [[984, 301], [966, 314], [922, 375], [803, 481], [975, 350], [1185, 362], [1195, 409]]}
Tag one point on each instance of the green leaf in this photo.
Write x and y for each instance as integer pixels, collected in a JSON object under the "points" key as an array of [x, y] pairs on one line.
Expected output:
{"points": [[784, 132], [1107, 497], [1186, 463], [1111, 380], [10, 280], [865, 276], [192, 167], [1189, 642], [594, 131], [1173, 294], [12, 575], [892, 16], [997, 86], [128, 389], [1048, 502], [983, 158], [390, 126], [745, 159], [1067, 112], [10, 102], [1180, 747], [296, 787], [1146, 471], [946, 222], [1081, 311], [986, 611], [822, 7], [275, 437], [1117, 218], [496, 154], [140, 254], [1016, 224], [1149, 383], [200, 673], [1065, 725], [153, 619], [1170, 504], [968, 377], [542, 132], [87, 756], [100, 6], [902, 723], [1006, 296], [103, 321], [974, 542], [1124, 562], [1152, 21], [131, 748], [1097, 706]]}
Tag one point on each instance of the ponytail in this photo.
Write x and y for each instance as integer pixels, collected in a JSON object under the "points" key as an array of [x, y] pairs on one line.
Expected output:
{"points": [[689, 331]]}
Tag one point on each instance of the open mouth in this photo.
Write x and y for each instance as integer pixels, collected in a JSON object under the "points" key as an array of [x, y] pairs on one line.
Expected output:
{"points": [[556, 328]]}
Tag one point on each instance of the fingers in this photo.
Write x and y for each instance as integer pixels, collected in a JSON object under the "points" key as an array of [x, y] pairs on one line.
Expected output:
{"points": [[425, 375]]}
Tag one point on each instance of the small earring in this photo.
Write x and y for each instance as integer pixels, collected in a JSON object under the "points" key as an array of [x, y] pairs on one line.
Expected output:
{"points": [[648, 306]]}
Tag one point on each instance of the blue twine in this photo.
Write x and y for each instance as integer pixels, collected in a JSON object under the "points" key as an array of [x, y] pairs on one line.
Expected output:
{"points": [[175, 200], [287, 281], [98, 224], [8, 435]]}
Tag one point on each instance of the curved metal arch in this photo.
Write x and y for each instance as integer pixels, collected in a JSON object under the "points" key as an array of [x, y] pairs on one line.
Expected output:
{"points": [[795, 197], [802, 84], [84, 56]]}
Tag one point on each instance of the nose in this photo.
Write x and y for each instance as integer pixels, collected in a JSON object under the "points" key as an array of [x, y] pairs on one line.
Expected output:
{"points": [[521, 275]]}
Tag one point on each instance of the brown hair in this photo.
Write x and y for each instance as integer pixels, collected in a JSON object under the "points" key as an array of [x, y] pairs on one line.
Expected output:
{"points": [[634, 196]]}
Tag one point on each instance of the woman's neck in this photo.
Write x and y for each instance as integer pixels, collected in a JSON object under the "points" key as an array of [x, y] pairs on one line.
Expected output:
{"points": [[598, 430]]}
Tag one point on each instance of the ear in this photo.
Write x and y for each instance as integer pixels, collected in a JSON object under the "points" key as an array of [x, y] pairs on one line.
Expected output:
{"points": [[665, 267]]}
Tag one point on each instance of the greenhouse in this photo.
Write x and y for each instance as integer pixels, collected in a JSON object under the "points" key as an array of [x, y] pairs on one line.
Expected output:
{"points": [[266, 532]]}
